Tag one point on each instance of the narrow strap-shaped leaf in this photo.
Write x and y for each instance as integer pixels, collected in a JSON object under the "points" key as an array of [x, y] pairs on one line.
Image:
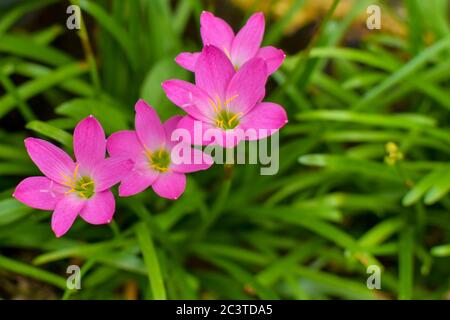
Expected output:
{"points": [[151, 260]]}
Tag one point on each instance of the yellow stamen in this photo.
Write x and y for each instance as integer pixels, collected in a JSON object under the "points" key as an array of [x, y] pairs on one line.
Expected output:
{"points": [[70, 191], [67, 181], [147, 152], [75, 172], [158, 168], [230, 122], [81, 193], [227, 53], [231, 99], [83, 186], [216, 107], [219, 123]]}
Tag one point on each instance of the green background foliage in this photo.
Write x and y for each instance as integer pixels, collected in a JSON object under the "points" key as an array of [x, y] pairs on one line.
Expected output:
{"points": [[338, 204]]}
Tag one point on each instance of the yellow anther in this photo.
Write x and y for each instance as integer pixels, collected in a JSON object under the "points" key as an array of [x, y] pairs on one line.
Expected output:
{"points": [[83, 186], [230, 122], [219, 123], [81, 193], [159, 168]]}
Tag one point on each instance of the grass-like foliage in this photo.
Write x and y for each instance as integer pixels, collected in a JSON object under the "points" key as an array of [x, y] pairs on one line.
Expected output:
{"points": [[364, 160]]}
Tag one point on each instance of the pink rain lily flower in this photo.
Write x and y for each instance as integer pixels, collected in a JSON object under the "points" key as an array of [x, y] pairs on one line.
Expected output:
{"points": [[73, 188], [150, 148], [240, 48], [225, 101]]}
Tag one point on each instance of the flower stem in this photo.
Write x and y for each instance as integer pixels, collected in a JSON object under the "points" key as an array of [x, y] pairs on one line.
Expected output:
{"points": [[90, 57]]}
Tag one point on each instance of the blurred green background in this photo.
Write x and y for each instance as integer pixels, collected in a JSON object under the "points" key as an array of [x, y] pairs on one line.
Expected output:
{"points": [[364, 161]]}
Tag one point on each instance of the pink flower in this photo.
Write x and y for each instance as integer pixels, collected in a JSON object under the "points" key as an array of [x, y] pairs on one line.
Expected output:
{"points": [[71, 188], [150, 148], [240, 48], [226, 101]]}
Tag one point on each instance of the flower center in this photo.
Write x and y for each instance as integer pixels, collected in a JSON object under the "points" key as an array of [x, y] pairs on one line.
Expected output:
{"points": [[227, 120], [83, 187], [159, 160]]}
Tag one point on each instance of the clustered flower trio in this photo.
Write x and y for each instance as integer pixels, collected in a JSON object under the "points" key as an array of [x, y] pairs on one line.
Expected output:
{"points": [[231, 73]]}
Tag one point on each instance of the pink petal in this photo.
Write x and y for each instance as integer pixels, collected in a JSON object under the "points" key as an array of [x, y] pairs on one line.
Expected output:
{"points": [[99, 209], [51, 160], [89, 142], [169, 127], [215, 31], [213, 71], [65, 213], [203, 133], [124, 144], [136, 181], [190, 98], [247, 87], [197, 160], [149, 128], [187, 60], [272, 56], [39, 192], [110, 171], [248, 40], [228, 138], [170, 185], [196, 129], [266, 118]]}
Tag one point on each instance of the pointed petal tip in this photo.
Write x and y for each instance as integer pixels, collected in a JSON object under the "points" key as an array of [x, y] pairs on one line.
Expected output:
{"points": [[58, 234], [29, 140], [258, 15], [206, 13], [141, 104], [258, 18], [141, 101], [89, 119], [165, 83]]}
